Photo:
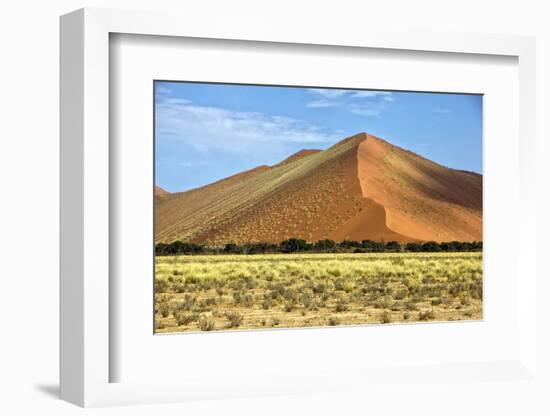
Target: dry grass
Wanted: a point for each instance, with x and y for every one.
(206, 293)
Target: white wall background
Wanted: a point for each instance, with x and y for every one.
(29, 56)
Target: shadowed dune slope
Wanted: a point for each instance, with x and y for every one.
(360, 188)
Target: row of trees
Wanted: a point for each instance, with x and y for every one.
(296, 245)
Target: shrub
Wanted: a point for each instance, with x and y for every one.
(180, 247)
(160, 249)
(320, 288)
(456, 288)
(293, 245)
(235, 319)
(290, 295)
(210, 301)
(368, 245)
(335, 273)
(289, 306)
(161, 286)
(378, 247)
(306, 299)
(413, 247)
(385, 317)
(393, 246)
(342, 305)
(181, 287)
(466, 300)
(387, 302)
(431, 246)
(426, 315)
(237, 297)
(187, 303)
(333, 321)
(447, 301)
(324, 245)
(476, 290)
(164, 309)
(267, 303)
(248, 300)
(349, 244)
(184, 318)
(206, 324)
(232, 248)
(400, 294)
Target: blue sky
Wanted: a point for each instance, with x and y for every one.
(206, 132)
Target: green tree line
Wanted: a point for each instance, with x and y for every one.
(297, 245)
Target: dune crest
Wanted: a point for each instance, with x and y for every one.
(361, 188)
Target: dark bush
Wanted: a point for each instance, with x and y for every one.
(324, 245)
(349, 244)
(378, 247)
(232, 248)
(293, 245)
(413, 247)
(431, 246)
(393, 246)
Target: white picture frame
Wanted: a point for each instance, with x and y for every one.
(86, 356)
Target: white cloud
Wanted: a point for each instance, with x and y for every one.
(371, 94)
(208, 128)
(328, 92)
(365, 103)
(161, 89)
(369, 109)
(176, 101)
(322, 104)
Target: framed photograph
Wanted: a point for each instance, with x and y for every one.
(274, 212)
(253, 230)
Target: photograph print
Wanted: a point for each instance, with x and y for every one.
(295, 207)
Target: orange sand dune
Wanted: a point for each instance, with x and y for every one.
(360, 188)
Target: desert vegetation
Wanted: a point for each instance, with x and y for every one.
(297, 245)
(231, 291)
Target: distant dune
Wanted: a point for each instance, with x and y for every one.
(159, 192)
(361, 188)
